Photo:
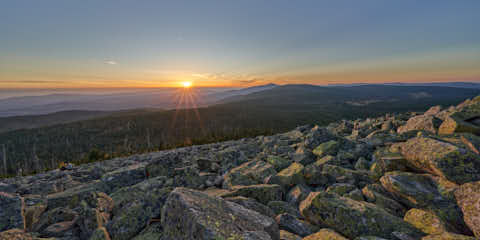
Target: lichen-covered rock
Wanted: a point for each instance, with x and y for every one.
(464, 120)
(72, 197)
(369, 238)
(19, 234)
(314, 175)
(442, 159)
(285, 235)
(151, 232)
(423, 191)
(252, 204)
(100, 234)
(386, 161)
(249, 173)
(264, 193)
(325, 234)
(341, 188)
(327, 148)
(10, 211)
(352, 218)
(292, 224)
(468, 198)
(362, 164)
(190, 214)
(281, 207)
(426, 221)
(448, 236)
(343, 175)
(297, 194)
(303, 156)
(289, 176)
(125, 176)
(376, 194)
(278, 163)
(135, 206)
(427, 123)
(34, 207)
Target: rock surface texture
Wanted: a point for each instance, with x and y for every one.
(396, 177)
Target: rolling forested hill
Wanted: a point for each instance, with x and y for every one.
(261, 113)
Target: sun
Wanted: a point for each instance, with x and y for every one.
(186, 84)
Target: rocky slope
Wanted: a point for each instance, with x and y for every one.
(411, 176)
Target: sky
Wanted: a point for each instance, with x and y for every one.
(127, 43)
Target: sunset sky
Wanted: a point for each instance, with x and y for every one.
(127, 43)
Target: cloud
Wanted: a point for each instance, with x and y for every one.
(248, 81)
(110, 62)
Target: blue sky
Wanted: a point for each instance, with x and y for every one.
(230, 43)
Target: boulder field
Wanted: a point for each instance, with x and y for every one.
(399, 176)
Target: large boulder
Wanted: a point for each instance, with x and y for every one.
(252, 204)
(375, 193)
(468, 198)
(19, 234)
(464, 120)
(327, 148)
(190, 214)
(294, 225)
(325, 234)
(263, 193)
(427, 123)
(278, 163)
(426, 221)
(442, 159)
(10, 211)
(426, 192)
(289, 176)
(448, 236)
(125, 176)
(249, 173)
(135, 206)
(352, 218)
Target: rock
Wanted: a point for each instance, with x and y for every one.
(58, 222)
(356, 194)
(386, 161)
(325, 234)
(316, 136)
(264, 193)
(151, 232)
(297, 194)
(34, 207)
(352, 218)
(190, 214)
(468, 198)
(427, 123)
(448, 236)
(341, 188)
(375, 193)
(285, 235)
(289, 176)
(204, 164)
(426, 221)
(303, 156)
(442, 159)
(100, 234)
(344, 175)
(362, 164)
(432, 111)
(19, 234)
(314, 175)
(423, 191)
(125, 176)
(10, 211)
(369, 238)
(281, 207)
(292, 224)
(135, 206)
(252, 204)
(464, 120)
(327, 148)
(249, 173)
(72, 197)
(278, 163)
